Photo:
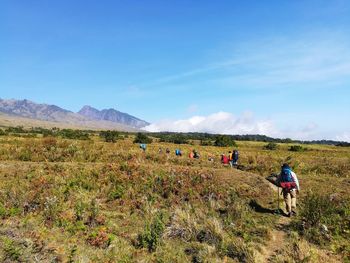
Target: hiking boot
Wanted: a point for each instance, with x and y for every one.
(289, 214)
(294, 213)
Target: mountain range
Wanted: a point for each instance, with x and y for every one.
(88, 117)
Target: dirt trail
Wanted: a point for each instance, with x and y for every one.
(277, 240)
(278, 237)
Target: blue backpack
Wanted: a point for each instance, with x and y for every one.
(143, 146)
(235, 155)
(286, 175)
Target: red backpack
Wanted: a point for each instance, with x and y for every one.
(287, 181)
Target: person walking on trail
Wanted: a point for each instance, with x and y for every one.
(224, 159)
(143, 147)
(195, 154)
(235, 156)
(288, 180)
(178, 152)
(230, 158)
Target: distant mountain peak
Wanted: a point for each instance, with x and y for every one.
(112, 115)
(87, 115)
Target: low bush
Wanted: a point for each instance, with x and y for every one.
(142, 138)
(322, 218)
(205, 142)
(73, 134)
(116, 193)
(271, 146)
(151, 236)
(110, 136)
(100, 238)
(174, 138)
(2, 132)
(297, 148)
(224, 141)
(11, 250)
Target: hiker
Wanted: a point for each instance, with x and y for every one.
(230, 158)
(143, 147)
(167, 150)
(160, 150)
(210, 158)
(195, 154)
(235, 156)
(224, 159)
(178, 152)
(191, 155)
(288, 180)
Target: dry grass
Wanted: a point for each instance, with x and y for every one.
(86, 201)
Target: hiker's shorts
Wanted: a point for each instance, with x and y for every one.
(290, 198)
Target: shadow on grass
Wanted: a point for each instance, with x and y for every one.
(260, 209)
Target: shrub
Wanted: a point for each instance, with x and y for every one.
(3, 211)
(322, 217)
(297, 148)
(317, 209)
(271, 146)
(100, 238)
(18, 129)
(116, 193)
(150, 238)
(79, 210)
(206, 142)
(93, 211)
(11, 250)
(224, 141)
(142, 138)
(73, 134)
(176, 138)
(2, 132)
(110, 136)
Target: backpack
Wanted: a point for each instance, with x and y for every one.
(143, 146)
(235, 155)
(230, 157)
(286, 180)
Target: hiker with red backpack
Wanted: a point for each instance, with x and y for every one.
(224, 159)
(288, 180)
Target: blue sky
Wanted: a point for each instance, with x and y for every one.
(276, 67)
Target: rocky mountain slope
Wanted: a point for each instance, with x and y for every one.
(113, 116)
(31, 112)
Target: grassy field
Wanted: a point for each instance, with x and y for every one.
(67, 200)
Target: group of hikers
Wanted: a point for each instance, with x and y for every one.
(231, 158)
(286, 179)
(192, 155)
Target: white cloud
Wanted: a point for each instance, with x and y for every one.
(227, 123)
(345, 137)
(220, 123)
